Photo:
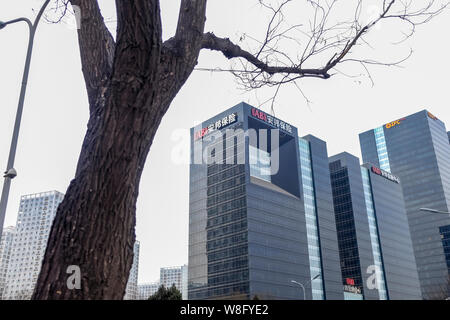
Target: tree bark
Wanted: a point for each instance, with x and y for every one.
(129, 93)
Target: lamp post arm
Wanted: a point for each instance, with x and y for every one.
(15, 136)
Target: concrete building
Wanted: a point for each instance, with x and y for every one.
(5, 255)
(260, 213)
(416, 149)
(168, 276)
(373, 232)
(174, 276)
(146, 290)
(34, 220)
(131, 292)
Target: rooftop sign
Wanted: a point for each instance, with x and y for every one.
(219, 124)
(385, 174)
(272, 121)
(394, 123)
(432, 116)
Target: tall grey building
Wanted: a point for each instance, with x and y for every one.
(260, 213)
(169, 276)
(373, 232)
(34, 220)
(416, 149)
(145, 290)
(131, 292)
(5, 255)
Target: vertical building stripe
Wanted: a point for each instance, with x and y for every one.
(382, 152)
(373, 230)
(315, 261)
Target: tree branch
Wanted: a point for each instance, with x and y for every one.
(96, 49)
(231, 50)
(327, 42)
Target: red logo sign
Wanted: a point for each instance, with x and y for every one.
(259, 114)
(350, 281)
(376, 170)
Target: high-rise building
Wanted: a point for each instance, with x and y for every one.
(146, 290)
(260, 213)
(5, 255)
(34, 220)
(169, 276)
(184, 282)
(131, 292)
(416, 149)
(377, 259)
(448, 133)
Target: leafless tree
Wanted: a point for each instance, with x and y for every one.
(131, 80)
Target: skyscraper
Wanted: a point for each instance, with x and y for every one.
(169, 276)
(34, 220)
(131, 292)
(373, 232)
(416, 149)
(260, 213)
(5, 255)
(145, 290)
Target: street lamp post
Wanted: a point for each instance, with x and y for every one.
(303, 286)
(10, 172)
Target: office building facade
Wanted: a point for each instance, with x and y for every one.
(177, 276)
(416, 149)
(34, 220)
(131, 291)
(5, 255)
(377, 259)
(146, 290)
(260, 213)
(168, 276)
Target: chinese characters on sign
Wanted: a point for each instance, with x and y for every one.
(219, 124)
(385, 174)
(271, 120)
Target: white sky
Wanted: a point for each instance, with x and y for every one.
(56, 110)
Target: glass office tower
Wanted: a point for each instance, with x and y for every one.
(377, 259)
(260, 213)
(417, 150)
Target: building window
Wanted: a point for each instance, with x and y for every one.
(259, 163)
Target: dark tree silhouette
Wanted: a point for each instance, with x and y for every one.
(131, 80)
(164, 293)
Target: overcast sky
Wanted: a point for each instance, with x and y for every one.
(56, 110)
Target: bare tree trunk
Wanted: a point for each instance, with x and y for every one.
(128, 95)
